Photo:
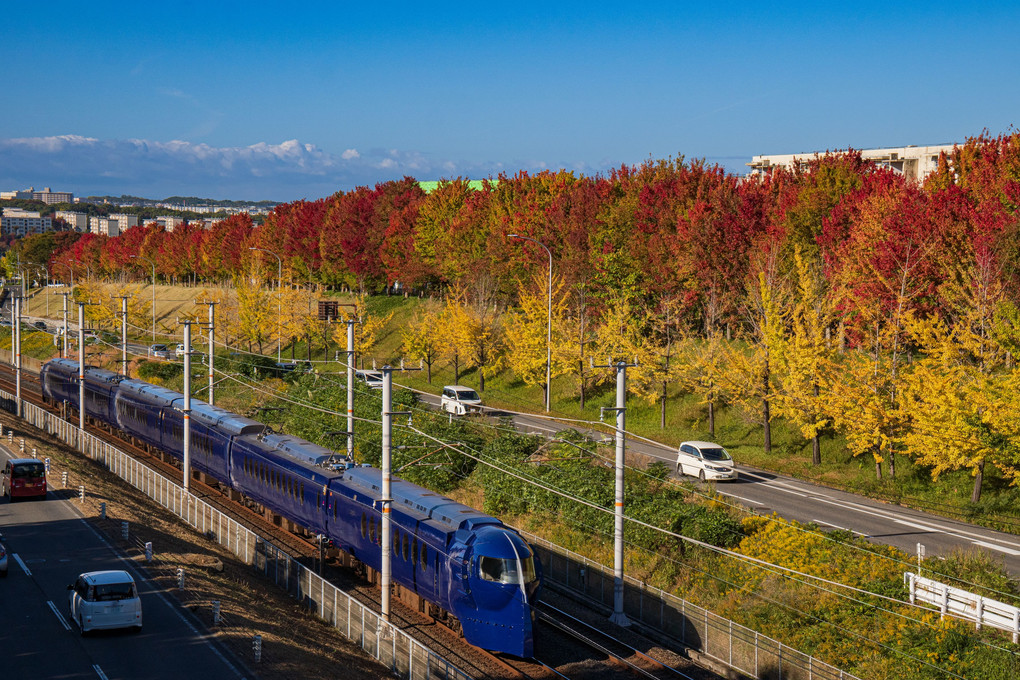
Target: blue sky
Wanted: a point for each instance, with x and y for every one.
(282, 101)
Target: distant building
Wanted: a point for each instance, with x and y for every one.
(913, 162)
(76, 220)
(170, 223)
(20, 223)
(104, 226)
(47, 196)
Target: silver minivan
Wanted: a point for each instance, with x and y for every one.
(103, 600)
(705, 461)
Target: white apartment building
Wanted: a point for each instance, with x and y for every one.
(76, 220)
(113, 225)
(170, 223)
(47, 196)
(913, 162)
(20, 223)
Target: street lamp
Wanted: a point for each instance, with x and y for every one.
(279, 297)
(142, 257)
(548, 337)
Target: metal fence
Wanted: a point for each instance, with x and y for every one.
(404, 656)
(680, 621)
(963, 604)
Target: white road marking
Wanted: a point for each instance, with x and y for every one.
(746, 500)
(836, 526)
(790, 491)
(99, 672)
(60, 617)
(24, 567)
(922, 527)
(1008, 551)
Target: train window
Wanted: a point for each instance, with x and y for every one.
(374, 531)
(318, 501)
(334, 510)
(424, 557)
(414, 551)
(302, 493)
(396, 542)
(405, 547)
(364, 525)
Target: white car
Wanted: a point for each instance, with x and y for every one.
(460, 400)
(705, 461)
(373, 379)
(103, 600)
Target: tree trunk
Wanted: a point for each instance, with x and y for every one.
(979, 476)
(878, 468)
(456, 369)
(892, 465)
(430, 372)
(308, 338)
(816, 441)
(711, 418)
(766, 415)
(662, 408)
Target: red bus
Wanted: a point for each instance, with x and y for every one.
(23, 478)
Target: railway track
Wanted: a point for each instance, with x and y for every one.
(566, 646)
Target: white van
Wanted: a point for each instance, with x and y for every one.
(705, 461)
(102, 600)
(460, 400)
(373, 379)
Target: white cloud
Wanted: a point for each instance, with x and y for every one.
(155, 169)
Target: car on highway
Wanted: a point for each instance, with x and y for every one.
(159, 351)
(180, 351)
(23, 478)
(105, 600)
(460, 400)
(3, 559)
(40, 325)
(373, 379)
(705, 461)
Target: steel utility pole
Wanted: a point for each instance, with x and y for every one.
(65, 294)
(123, 334)
(212, 344)
(618, 616)
(81, 367)
(350, 387)
(17, 353)
(187, 406)
(387, 500)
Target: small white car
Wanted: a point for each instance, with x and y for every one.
(705, 461)
(373, 379)
(104, 600)
(460, 400)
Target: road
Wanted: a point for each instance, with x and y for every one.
(766, 492)
(48, 545)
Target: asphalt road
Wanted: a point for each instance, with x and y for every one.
(48, 545)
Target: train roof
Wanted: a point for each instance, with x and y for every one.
(202, 412)
(254, 445)
(93, 374)
(302, 449)
(438, 508)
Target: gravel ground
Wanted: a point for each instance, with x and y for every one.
(295, 644)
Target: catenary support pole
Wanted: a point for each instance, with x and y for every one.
(123, 334)
(81, 366)
(187, 406)
(350, 388)
(386, 500)
(17, 353)
(212, 345)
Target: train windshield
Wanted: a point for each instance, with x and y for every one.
(505, 571)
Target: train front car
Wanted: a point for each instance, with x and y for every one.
(500, 581)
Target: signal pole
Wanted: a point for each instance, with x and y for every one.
(212, 344)
(619, 617)
(65, 294)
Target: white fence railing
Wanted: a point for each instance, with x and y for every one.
(983, 611)
(390, 646)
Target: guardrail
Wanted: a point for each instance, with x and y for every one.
(729, 643)
(390, 646)
(964, 604)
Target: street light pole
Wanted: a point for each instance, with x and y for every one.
(142, 257)
(279, 297)
(548, 336)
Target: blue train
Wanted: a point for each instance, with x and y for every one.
(462, 561)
